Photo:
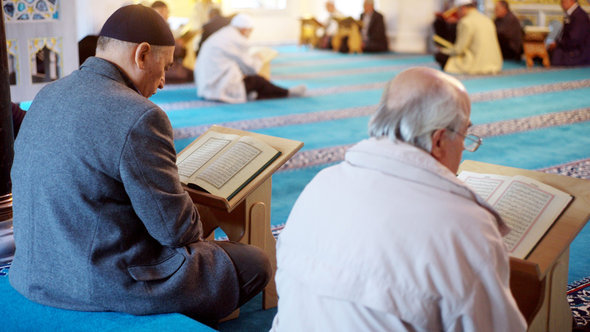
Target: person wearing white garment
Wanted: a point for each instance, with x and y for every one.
(389, 239)
(476, 49)
(225, 70)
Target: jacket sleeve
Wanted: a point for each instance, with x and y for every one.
(150, 177)
(487, 303)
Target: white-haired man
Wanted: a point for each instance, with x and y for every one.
(389, 239)
(227, 72)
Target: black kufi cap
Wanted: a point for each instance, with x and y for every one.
(138, 24)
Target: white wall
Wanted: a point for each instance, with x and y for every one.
(91, 15)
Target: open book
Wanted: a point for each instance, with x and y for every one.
(222, 164)
(442, 42)
(265, 54)
(529, 207)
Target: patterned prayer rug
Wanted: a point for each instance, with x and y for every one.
(578, 296)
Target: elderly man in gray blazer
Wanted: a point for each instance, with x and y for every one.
(101, 220)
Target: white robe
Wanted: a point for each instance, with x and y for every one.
(222, 63)
(390, 240)
(476, 50)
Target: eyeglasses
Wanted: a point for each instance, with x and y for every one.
(470, 142)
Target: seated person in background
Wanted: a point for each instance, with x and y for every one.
(104, 224)
(476, 50)
(162, 8)
(216, 22)
(18, 115)
(509, 31)
(445, 23)
(373, 29)
(330, 25)
(225, 70)
(86, 48)
(572, 46)
(177, 73)
(411, 248)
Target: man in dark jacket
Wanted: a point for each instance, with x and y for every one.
(216, 22)
(373, 29)
(101, 220)
(572, 46)
(509, 31)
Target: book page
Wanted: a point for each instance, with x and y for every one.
(229, 164)
(234, 167)
(266, 54)
(485, 185)
(442, 42)
(198, 154)
(527, 206)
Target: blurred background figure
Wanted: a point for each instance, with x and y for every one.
(178, 73)
(227, 71)
(216, 22)
(572, 46)
(373, 29)
(509, 31)
(476, 49)
(330, 25)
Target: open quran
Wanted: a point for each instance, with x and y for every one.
(222, 164)
(529, 207)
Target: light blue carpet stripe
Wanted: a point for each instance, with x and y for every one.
(475, 85)
(520, 107)
(270, 108)
(350, 130)
(323, 134)
(174, 95)
(537, 148)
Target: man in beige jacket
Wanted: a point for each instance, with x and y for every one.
(476, 50)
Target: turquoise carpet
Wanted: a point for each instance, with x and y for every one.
(532, 118)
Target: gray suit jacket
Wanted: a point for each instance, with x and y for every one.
(101, 221)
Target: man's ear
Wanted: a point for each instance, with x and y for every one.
(438, 144)
(141, 52)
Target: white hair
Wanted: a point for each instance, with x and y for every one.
(411, 115)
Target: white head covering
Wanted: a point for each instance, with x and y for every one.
(242, 21)
(459, 3)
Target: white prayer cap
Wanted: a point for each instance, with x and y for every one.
(242, 21)
(459, 3)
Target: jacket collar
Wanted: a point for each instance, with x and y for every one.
(571, 10)
(108, 69)
(410, 163)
